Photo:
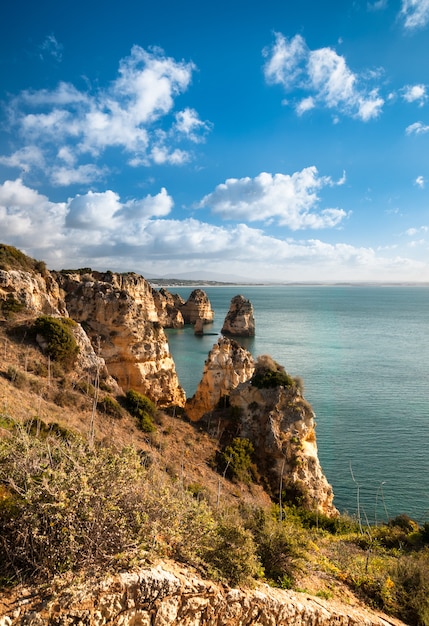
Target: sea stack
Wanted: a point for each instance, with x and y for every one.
(239, 321)
(197, 306)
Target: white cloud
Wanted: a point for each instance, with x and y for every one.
(25, 159)
(28, 219)
(420, 182)
(418, 128)
(415, 13)
(51, 48)
(99, 230)
(285, 58)
(324, 74)
(188, 123)
(134, 114)
(105, 212)
(82, 175)
(415, 93)
(411, 232)
(305, 105)
(93, 211)
(291, 200)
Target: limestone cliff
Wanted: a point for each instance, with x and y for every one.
(281, 425)
(168, 307)
(273, 415)
(227, 365)
(167, 595)
(197, 307)
(118, 312)
(240, 320)
(38, 293)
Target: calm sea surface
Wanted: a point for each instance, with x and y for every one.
(363, 353)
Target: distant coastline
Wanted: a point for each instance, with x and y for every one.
(181, 282)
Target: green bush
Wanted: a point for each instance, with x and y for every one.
(232, 553)
(236, 462)
(142, 408)
(11, 306)
(57, 332)
(269, 374)
(109, 406)
(281, 545)
(410, 589)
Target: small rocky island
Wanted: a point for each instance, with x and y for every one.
(240, 320)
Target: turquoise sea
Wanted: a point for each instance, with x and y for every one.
(363, 354)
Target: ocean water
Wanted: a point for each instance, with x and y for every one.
(363, 354)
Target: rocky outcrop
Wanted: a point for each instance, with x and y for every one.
(239, 321)
(168, 307)
(119, 314)
(281, 425)
(197, 307)
(273, 415)
(168, 596)
(227, 365)
(39, 294)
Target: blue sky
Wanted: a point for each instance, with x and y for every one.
(268, 141)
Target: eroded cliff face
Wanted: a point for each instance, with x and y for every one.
(273, 416)
(40, 294)
(119, 314)
(227, 365)
(168, 307)
(240, 320)
(281, 425)
(169, 596)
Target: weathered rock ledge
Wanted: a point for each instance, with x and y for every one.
(169, 595)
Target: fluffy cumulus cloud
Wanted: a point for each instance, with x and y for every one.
(291, 200)
(418, 128)
(415, 93)
(322, 76)
(415, 13)
(104, 232)
(134, 114)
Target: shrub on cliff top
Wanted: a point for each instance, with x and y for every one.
(57, 332)
(269, 374)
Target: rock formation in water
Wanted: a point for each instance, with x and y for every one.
(227, 365)
(272, 413)
(197, 307)
(239, 321)
(167, 595)
(119, 314)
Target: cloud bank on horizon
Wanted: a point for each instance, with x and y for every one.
(120, 174)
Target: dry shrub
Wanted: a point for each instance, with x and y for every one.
(66, 505)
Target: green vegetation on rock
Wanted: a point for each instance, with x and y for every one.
(61, 345)
(13, 259)
(269, 374)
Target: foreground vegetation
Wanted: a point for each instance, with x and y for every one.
(66, 505)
